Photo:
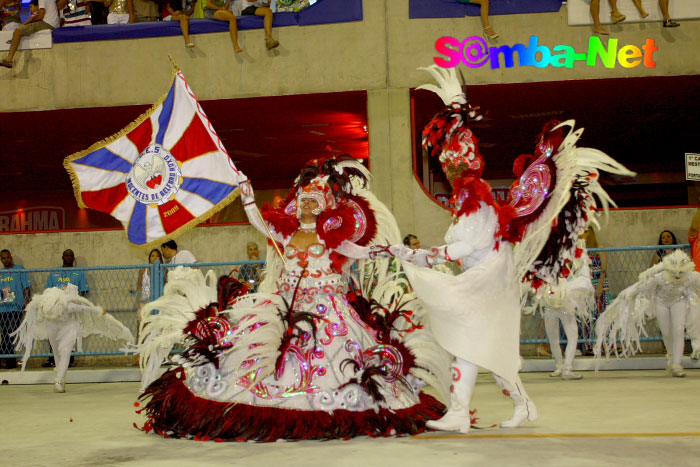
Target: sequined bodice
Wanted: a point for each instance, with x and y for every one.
(311, 269)
(670, 292)
(315, 250)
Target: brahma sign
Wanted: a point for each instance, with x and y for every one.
(34, 219)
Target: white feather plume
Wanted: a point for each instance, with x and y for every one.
(163, 320)
(449, 87)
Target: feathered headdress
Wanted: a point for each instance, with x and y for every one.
(447, 136)
(328, 180)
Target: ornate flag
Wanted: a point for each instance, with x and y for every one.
(165, 172)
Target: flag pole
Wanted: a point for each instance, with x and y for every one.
(269, 234)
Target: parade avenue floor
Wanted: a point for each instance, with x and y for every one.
(609, 418)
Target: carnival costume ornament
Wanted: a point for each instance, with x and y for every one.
(65, 318)
(305, 357)
(165, 172)
(476, 315)
(558, 283)
(667, 291)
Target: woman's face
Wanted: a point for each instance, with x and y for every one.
(666, 238)
(154, 256)
(308, 205)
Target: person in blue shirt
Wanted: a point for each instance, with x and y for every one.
(61, 279)
(15, 293)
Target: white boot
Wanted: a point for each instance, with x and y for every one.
(695, 346)
(568, 374)
(458, 417)
(59, 385)
(557, 372)
(677, 371)
(524, 409)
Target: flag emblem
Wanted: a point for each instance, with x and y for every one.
(165, 172)
(154, 177)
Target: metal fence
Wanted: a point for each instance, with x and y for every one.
(622, 267)
(115, 288)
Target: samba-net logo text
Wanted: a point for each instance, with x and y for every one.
(474, 52)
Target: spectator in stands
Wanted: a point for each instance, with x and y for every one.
(173, 256)
(119, 12)
(99, 11)
(411, 241)
(44, 16)
(261, 8)
(615, 16)
(144, 289)
(142, 11)
(665, 238)
(61, 279)
(15, 293)
(663, 5)
(73, 13)
(484, 6)
(181, 10)
(144, 284)
(251, 274)
(9, 14)
(219, 10)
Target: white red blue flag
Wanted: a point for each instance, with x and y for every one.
(166, 171)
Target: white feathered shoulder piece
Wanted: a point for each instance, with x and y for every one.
(544, 185)
(66, 307)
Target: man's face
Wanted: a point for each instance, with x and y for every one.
(68, 258)
(167, 252)
(6, 259)
(252, 251)
(414, 243)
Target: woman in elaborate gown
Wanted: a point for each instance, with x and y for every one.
(299, 363)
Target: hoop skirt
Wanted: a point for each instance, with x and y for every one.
(297, 364)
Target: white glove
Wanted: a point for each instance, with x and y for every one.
(247, 194)
(402, 252)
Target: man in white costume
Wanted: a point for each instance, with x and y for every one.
(475, 315)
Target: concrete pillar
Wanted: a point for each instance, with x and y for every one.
(389, 117)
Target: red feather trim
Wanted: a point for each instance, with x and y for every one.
(478, 190)
(337, 262)
(336, 225)
(521, 163)
(173, 411)
(506, 215)
(283, 224)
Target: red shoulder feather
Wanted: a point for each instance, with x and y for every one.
(283, 224)
(336, 225)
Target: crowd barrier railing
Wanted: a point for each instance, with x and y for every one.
(115, 289)
(621, 266)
